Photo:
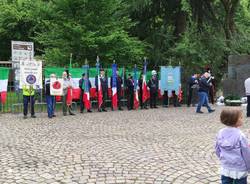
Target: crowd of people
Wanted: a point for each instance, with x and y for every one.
(199, 88)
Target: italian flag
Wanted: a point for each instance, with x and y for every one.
(86, 95)
(145, 94)
(4, 75)
(136, 97)
(77, 74)
(114, 86)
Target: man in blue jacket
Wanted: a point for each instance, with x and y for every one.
(204, 86)
(119, 89)
(82, 86)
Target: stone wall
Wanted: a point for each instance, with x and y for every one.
(238, 72)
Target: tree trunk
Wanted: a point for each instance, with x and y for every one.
(180, 22)
(230, 7)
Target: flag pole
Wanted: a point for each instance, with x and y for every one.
(70, 61)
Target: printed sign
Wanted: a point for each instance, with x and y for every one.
(170, 79)
(56, 87)
(31, 74)
(22, 51)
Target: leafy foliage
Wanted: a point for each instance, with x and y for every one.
(191, 33)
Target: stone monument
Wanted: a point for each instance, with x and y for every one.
(238, 72)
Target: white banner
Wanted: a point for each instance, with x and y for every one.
(22, 51)
(31, 74)
(56, 87)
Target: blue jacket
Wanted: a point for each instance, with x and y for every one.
(204, 85)
(118, 83)
(80, 84)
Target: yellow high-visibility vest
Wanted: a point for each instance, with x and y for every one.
(28, 90)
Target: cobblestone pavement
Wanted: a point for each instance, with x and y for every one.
(161, 146)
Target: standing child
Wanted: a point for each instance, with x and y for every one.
(232, 148)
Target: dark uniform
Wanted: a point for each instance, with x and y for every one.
(143, 105)
(130, 93)
(82, 87)
(153, 85)
(104, 84)
(192, 81)
(28, 96)
(119, 90)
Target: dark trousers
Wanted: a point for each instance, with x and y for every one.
(104, 98)
(65, 106)
(26, 100)
(50, 105)
(190, 94)
(165, 99)
(211, 94)
(130, 100)
(81, 101)
(248, 106)
(176, 101)
(203, 100)
(153, 97)
(227, 180)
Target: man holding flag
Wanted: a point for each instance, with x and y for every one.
(153, 85)
(136, 98)
(85, 85)
(140, 83)
(143, 86)
(67, 93)
(130, 92)
(116, 85)
(101, 83)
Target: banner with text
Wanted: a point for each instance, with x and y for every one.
(31, 74)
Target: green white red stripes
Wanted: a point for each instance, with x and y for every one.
(4, 75)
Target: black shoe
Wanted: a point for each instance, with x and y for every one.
(72, 114)
(89, 110)
(199, 112)
(212, 110)
(50, 117)
(104, 110)
(81, 112)
(25, 117)
(155, 107)
(33, 116)
(120, 109)
(53, 115)
(145, 108)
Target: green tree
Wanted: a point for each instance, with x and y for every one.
(87, 29)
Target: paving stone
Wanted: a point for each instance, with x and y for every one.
(158, 146)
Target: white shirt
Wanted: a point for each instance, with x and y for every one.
(247, 86)
(233, 174)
